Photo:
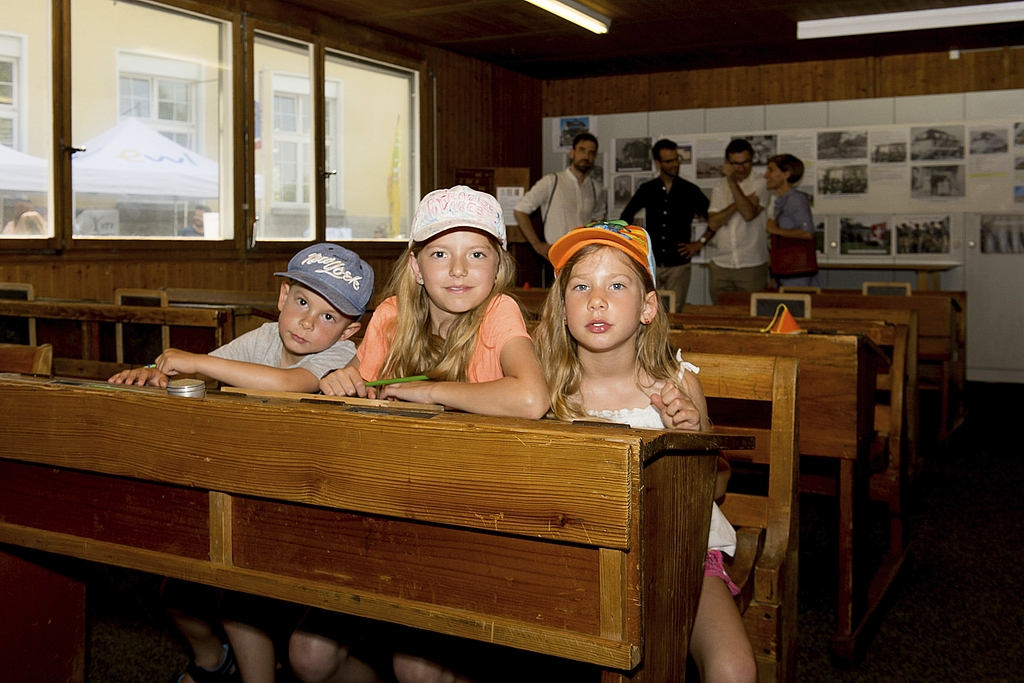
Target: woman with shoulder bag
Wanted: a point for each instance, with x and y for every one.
(793, 247)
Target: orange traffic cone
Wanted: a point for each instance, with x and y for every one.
(783, 322)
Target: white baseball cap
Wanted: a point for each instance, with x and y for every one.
(457, 207)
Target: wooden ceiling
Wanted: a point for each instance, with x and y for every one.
(651, 35)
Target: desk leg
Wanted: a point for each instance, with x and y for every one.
(42, 632)
(678, 490)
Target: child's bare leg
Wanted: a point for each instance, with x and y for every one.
(410, 669)
(319, 659)
(719, 644)
(254, 652)
(207, 648)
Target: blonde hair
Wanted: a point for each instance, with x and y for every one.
(30, 223)
(558, 350)
(414, 349)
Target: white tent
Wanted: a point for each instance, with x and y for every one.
(133, 159)
(22, 172)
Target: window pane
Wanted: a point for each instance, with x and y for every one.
(283, 139)
(159, 167)
(373, 149)
(26, 134)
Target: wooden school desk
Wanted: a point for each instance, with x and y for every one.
(838, 374)
(560, 539)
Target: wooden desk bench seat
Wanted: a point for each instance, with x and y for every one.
(838, 376)
(765, 566)
(554, 538)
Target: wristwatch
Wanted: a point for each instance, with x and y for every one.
(703, 239)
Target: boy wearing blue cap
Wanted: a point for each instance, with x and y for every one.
(327, 291)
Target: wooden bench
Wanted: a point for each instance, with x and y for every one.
(838, 374)
(941, 358)
(765, 566)
(251, 309)
(889, 453)
(80, 348)
(554, 538)
(28, 360)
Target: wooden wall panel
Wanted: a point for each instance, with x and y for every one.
(840, 79)
(97, 280)
(486, 116)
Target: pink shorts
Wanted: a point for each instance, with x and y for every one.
(713, 566)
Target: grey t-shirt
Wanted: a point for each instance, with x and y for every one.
(263, 346)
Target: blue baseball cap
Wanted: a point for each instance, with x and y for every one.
(335, 273)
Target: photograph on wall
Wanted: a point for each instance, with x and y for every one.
(1001, 234)
(632, 154)
(1018, 194)
(937, 182)
(936, 143)
(764, 147)
(864, 235)
(888, 146)
(1018, 164)
(568, 127)
(843, 144)
(922, 234)
(1018, 134)
(989, 140)
(710, 168)
(622, 189)
(685, 155)
(837, 180)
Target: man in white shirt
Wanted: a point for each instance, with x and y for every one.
(566, 200)
(737, 224)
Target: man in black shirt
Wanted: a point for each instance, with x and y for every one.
(671, 204)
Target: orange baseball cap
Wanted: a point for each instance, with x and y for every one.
(631, 239)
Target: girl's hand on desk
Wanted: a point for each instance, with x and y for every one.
(414, 392)
(677, 410)
(346, 382)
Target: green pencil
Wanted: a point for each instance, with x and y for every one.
(396, 380)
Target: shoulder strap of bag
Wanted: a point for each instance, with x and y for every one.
(544, 216)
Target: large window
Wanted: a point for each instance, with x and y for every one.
(25, 121)
(370, 124)
(151, 105)
(284, 144)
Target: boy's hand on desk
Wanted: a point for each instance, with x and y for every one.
(346, 382)
(140, 376)
(178, 362)
(677, 410)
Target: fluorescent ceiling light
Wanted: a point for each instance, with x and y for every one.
(996, 13)
(578, 14)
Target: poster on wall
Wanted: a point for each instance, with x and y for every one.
(922, 234)
(851, 179)
(936, 143)
(568, 127)
(888, 146)
(937, 182)
(622, 190)
(1001, 234)
(843, 144)
(632, 154)
(865, 235)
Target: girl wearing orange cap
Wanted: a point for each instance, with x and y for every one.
(603, 343)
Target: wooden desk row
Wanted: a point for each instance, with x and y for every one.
(553, 538)
(942, 339)
(84, 340)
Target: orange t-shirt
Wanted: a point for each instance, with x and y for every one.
(502, 323)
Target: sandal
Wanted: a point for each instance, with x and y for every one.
(227, 672)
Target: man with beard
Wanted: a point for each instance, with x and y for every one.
(566, 200)
(671, 203)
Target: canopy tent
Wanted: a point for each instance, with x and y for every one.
(20, 172)
(133, 159)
